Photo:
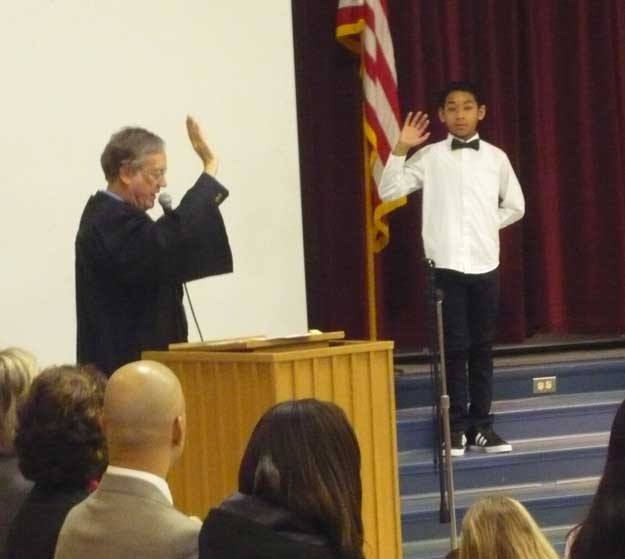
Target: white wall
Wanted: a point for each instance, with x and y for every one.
(73, 72)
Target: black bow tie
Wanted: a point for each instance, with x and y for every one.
(473, 144)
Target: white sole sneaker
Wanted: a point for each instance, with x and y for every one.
(491, 449)
(458, 451)
(489, 442)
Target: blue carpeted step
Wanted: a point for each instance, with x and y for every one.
(551, 504)
(535, 460)
(542, 472)
(414, 390)
(544, 416)
(437, 549)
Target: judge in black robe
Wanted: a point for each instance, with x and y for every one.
(129, 268)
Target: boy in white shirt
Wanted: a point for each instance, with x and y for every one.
(470, 191)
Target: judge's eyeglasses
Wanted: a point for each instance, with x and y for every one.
(155, 174)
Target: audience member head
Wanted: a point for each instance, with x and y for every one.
(601, 533)
(303, 455)
(499, 527)
(18, 367)
(59, 440)
(144, 417)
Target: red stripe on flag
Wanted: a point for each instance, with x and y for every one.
(381, 68)
(386, 78)
(385, 137)
(381, 103)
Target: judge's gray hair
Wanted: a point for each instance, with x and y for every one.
(129, 146)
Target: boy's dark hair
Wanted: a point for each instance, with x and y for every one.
(467, 86)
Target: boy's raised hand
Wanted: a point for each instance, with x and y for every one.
(414, 132)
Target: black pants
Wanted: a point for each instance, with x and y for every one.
(470, 309)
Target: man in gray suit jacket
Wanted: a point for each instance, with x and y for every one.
(131, 514)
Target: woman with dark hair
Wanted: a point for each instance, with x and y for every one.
(60, 447)
(601, 534)
(300, 493)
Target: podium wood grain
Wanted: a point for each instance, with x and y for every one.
(227, 392)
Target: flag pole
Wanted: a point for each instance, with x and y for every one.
(372, 315)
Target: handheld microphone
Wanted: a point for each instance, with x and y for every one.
(164, 200)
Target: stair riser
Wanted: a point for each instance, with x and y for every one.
(511, 383)
(497, 472)
(418, 434)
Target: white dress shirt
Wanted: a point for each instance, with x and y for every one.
(155, 480)
(468, 196)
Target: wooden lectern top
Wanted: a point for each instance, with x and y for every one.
(255, 343)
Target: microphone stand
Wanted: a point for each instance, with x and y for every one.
(197, 325)
(442, 453)
(165, 201)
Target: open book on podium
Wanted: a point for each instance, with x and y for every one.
(229, 384)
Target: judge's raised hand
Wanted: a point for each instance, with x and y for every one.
(201, 147)
(414, 132)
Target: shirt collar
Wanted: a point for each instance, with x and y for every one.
(450, 138)
(113, 195)
(155, 480)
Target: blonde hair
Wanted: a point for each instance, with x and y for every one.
(498, 527)
(18, 367)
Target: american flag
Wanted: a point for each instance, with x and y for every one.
(362, 26)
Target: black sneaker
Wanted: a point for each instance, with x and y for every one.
(458, 442)
(486, 440)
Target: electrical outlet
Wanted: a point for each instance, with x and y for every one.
(544, 385)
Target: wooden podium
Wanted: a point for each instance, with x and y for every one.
(228, 385)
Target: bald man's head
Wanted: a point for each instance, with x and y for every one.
(144, 409)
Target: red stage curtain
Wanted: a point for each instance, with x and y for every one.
(553, 74)
(331, 169)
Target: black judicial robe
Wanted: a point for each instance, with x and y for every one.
(130, 270)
